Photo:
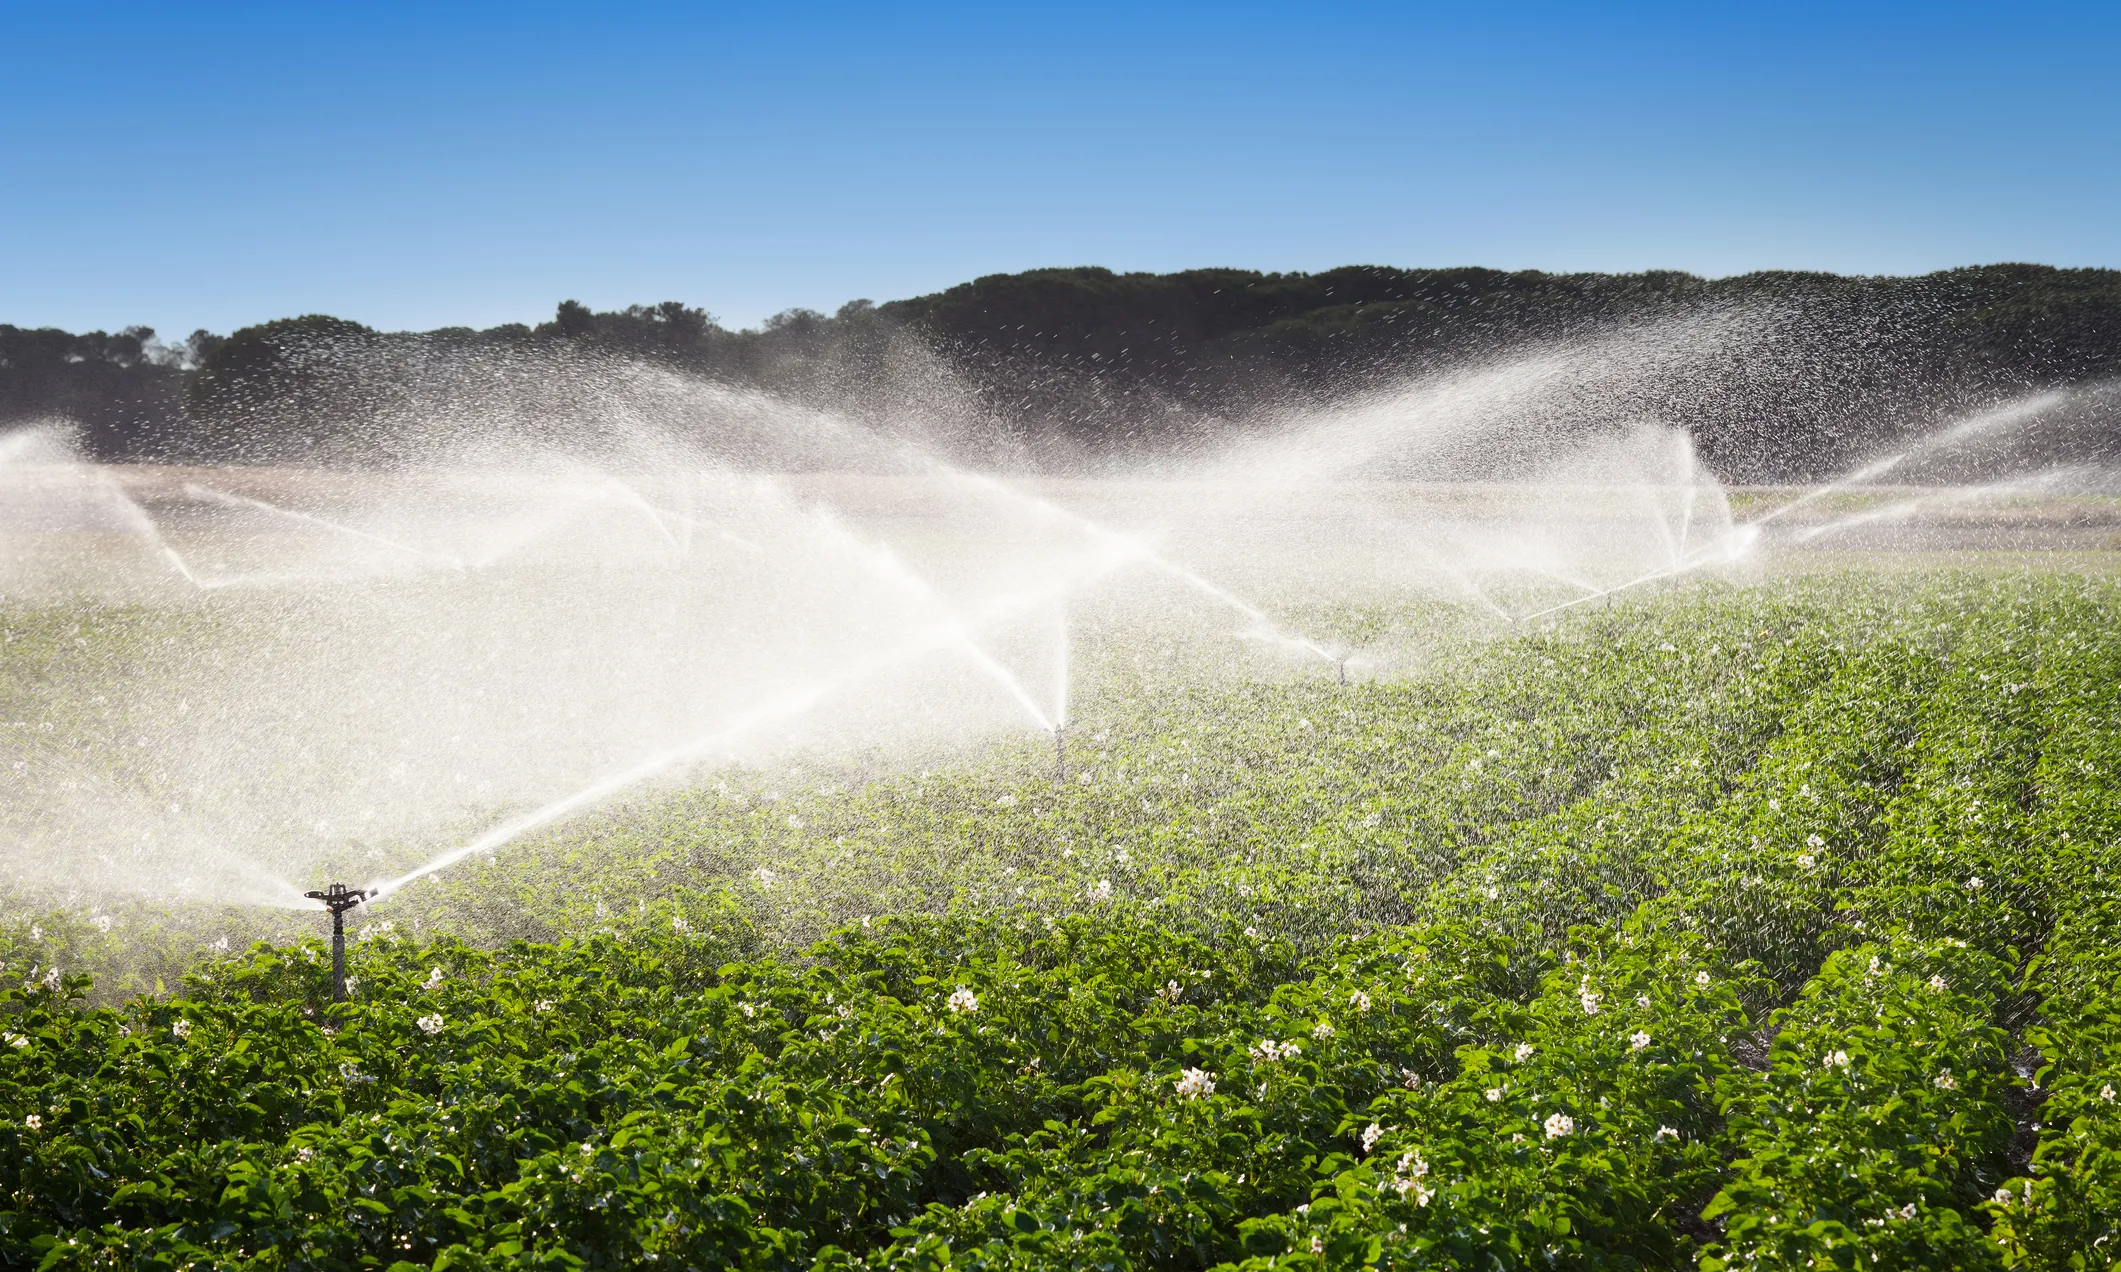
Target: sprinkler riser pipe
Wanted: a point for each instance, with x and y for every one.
(338, 899)
(338, 956)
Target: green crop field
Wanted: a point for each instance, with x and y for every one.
(1736, 927)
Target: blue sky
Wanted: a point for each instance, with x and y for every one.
(413, 166)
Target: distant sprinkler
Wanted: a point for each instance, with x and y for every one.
(1342, 663)
(1060, 754)
(338, 899)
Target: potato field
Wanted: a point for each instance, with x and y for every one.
(1763, 926)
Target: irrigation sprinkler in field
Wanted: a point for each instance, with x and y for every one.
(1342, 663)
(1060, 754)
(338, 899)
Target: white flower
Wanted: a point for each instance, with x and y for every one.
(181, 1028)
(103, 923)
(352, 983)
(1359, 1001)
(1701, 979)
(1370, 1135)
(963, 1001)
(1322, 1031)
(794, 822)
(1171, 992)
(435, 976)
(305, 1153)
(1665, 1133)
(765, 877)
(1638, 1040)
(1589, 1001)
(1409, 1079)
(431, 1024)
(51, 978)
(1523, 1052)
(14, 1040)
(1937, 984)
(1945, 1081)
(2106, 1093)
(1806, 861)
(33, 1121)
(1268, 1051)
(1318, 1245)
(1815, 841)
(2003, 1196)
(542, 1005)
(749, 1010)
(1560, 1124)
(1195, 1083)
(1494, 1094)
(1101, 891)
(1006, 801)
(1835, 1060)
(1974, 883)
(1251, 932)
(1642, 1000)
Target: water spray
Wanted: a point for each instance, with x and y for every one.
(208, 493)
(338, 898)
(1262, 627)
(2008, 414)
(1060, 701)
(884, 564)
(1735, 545)
(1945, 497)
(952, 633)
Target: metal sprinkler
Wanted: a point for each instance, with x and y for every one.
(1060, 754)
(338, 899)
(1343, 664)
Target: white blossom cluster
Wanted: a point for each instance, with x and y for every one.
(1408, 1175)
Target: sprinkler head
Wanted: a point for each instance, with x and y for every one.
(339, 898)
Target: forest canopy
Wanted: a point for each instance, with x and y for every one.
(1084, 362)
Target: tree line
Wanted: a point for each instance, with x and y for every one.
(1076, 364)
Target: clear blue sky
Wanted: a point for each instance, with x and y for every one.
(412, 166)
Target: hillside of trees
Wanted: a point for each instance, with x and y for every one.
(1068, 365)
